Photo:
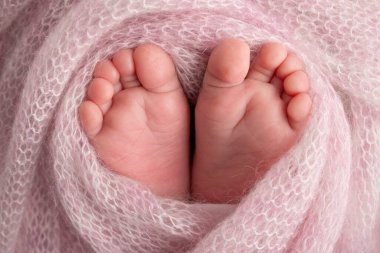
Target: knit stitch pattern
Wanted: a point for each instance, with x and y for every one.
(56, 195)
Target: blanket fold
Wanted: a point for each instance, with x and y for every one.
(56, 196)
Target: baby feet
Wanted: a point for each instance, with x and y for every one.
(246, 118)
(137, 118)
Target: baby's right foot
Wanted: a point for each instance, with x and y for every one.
(246, 117)
(137, 118)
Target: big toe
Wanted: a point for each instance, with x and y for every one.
(155, 69)
(220, 100)
(228, 64)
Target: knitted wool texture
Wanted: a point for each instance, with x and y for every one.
(55, 195)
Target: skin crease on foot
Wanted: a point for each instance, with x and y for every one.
(247, 116)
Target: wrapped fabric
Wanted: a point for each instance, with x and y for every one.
(55, 194)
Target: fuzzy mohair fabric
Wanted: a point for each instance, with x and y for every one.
(56, 196)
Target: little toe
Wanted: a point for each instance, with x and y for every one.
(270, 57)
(91, 118)
(296, 83)
(228, 64)
(298, 111)
(123, 62)
(155, 69)
(100, 91)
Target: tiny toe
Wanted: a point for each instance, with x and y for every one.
(291, 64)
(105, 69)
(228, 64)
(100, 91)
(270, 57)
(298, 110)
(155, 69)
(296, 83)
(91, 118)
(123, 61)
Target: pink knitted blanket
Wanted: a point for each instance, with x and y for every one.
(55, 195)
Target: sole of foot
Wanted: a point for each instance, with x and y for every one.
(247, 116)
(136, 116)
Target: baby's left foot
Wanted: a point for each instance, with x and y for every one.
(137, 118)
(246, 117)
